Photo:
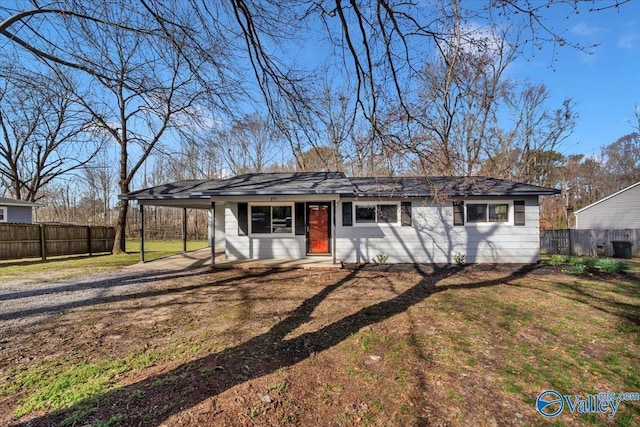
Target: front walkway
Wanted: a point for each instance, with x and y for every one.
(202, 258)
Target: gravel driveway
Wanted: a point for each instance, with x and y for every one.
(33, 299)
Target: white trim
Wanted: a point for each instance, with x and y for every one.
(271, 204)
(375, 204)
(606, 198)
(5, 212)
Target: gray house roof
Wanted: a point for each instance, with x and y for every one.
(444, 186)
(280, 184)
(337, 183)
(6, 201)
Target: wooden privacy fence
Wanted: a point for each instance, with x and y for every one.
(587, 242)
(43, 240)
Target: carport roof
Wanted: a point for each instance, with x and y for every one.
(336, 183)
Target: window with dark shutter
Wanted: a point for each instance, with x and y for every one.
(300, 224)
(518, 212)
(243, 219)
(347, 214)
(405, 214)
(458, 213)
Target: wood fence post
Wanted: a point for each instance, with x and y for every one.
(43, 242)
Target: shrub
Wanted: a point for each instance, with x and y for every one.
(380, 259)
(575, 261)
(607, 265)
(556, 260)
(459, 258)
(577, 269)
(590, 262)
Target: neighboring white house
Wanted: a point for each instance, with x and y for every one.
(17, 211)
(328, 215)
(617, 211)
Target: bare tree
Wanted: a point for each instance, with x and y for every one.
(526, 146)
(140, 85)
(153, 58)
(43, 133)
(251, 144)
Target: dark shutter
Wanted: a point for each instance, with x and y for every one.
(347, 214)
(300, 223)
(405, 214)
(243, 219)
(518, 212)
(458, 213)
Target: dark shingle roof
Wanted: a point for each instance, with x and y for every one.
(172, 190)
(280, 183)
(337, 183)
(444, 186)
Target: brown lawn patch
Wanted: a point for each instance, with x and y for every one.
(407, 346)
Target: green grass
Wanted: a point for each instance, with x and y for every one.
(74, 266)
(66, 382)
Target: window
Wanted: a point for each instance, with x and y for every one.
(499, 213)
(487, 212)
(386, 213)
(266, 219)
(3, 214)
(476, 213)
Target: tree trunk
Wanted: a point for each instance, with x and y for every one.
(119, 244)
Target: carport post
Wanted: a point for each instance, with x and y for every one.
(141, 233)
(184, 230)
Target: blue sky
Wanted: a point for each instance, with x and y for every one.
(605, 84)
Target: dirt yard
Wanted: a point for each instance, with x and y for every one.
(402, 346)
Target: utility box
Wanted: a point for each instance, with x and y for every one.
(621, 249)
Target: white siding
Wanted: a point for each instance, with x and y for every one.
(432, 238)
(265, 247)
(219, 224)
(618, 211)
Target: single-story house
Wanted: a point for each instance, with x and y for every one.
(327, 214)
(17, 211)
(617, 211)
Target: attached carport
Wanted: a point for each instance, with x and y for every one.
(181, 195)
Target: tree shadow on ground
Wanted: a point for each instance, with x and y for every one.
(184, 387)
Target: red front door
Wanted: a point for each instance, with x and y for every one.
(319, 227)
